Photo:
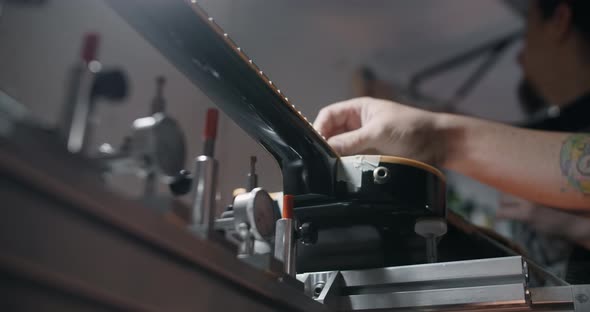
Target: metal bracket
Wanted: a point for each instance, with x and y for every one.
(581, 295)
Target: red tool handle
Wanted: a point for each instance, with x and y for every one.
(210, 132)
(90, 47)
(288, 206)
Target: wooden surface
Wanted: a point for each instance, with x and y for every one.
(67, 244)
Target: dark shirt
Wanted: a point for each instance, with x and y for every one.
(574, 117)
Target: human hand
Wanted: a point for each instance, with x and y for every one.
(371, 126)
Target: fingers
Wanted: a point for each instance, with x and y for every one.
(339, 118)
(352, 142)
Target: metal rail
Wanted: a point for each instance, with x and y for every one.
(498, 284)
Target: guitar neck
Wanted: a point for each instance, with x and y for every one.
(199, 48)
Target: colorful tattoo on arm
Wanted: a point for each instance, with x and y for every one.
(575, 161)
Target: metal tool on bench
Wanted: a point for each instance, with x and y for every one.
(255, 222)
(158, 141)
(155, 149)
(203, 182)
(250, 223)
(88, 82)
(286, 237)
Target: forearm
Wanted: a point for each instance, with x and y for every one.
(530, 164)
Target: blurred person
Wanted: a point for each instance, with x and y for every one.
(550, 168)
(555, 92)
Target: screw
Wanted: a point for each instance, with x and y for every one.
(317, 288)
(381, 175)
